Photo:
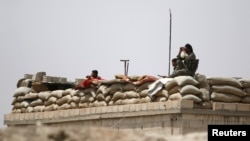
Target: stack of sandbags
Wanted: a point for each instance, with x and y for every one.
(21, 101)
(143, 91)
(184, 88)
(246, 88)
(204, 89)
(225, 89)
(87, 97)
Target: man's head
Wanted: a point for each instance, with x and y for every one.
(174, 62)
(188, 49)
(94, 73)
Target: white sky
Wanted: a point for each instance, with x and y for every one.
(69, 38)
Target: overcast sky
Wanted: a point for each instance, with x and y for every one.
(69, 38)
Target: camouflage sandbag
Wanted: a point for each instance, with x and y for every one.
(222, 97)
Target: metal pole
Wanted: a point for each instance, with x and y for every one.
(170, 30)
(125, 66)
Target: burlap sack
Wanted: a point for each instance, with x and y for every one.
(87, 98)
(63, 100)
(39, 108)
(160, 99)
(37, 102)
(245, 99)
(108, 98)
(73, 105)
(192, 97)
(129, 87)
(190, 89)
(31, 96)
(144, 86)
(20, 98)
(44, 95)
(83, 105)
(118, 95)
(230, 81)
(228, 90)
(245, 82)
(131, 94)
(75, 99)
(185, 80)
(205, 94)
(64, 106)
(50, 101)
(102, 89)
(170, 85)
(51, 107)
(202, 81)
(144, 93)
(176, 96)
(221, 97)
(97, 103)
(100, 97)
(130, 101)
(21, 91)
(146, 99)
(30, 109)
(115, 87)
(174, 90)
(162, 93)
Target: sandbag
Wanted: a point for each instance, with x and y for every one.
(176, 96)
(63, 100)
(129, 87)
(100, 97)
(44, 95)
(245, 82)
(114, 88)
(118, 95)
(174, 90)
(190, 89)
(146, 99)
(205, 94)
(160, 99)
(192, 97)
(143, 93)
(57, 93)
(221, 97)
(224, 81)
(202, 81)
(131, 94)
(87, 98)
(245, 99)
(228, 89)
(37, 102)
(162, 93)
(97, 103)
(50, 101)
(21, 91)
(185, 80)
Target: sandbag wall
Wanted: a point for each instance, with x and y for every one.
(201, 90)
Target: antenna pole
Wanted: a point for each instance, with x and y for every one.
(126, 63)
(170, 30)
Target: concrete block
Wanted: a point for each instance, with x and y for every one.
(120, 108)
(61, 113)
(196, 124)
(45, 115)
(132, 107)
(168, 104)
(242, 107)
(36, 115)
(71, 112)
(84, 111)
(126, 108)
(138, 107)
(40, 115)
(217, 106)
(92, 110)
(156, 105)
(144, 106)
(51, 114)
(175, 104)
(229, 106)
(103, 109)
(77, 112)
(189, 104)
(150, 105)
(7, 117)
(56, 114)
(98, 110)
(115, 108)
(66, 113)
(21, 116)
(16, 116)
(109, 109)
